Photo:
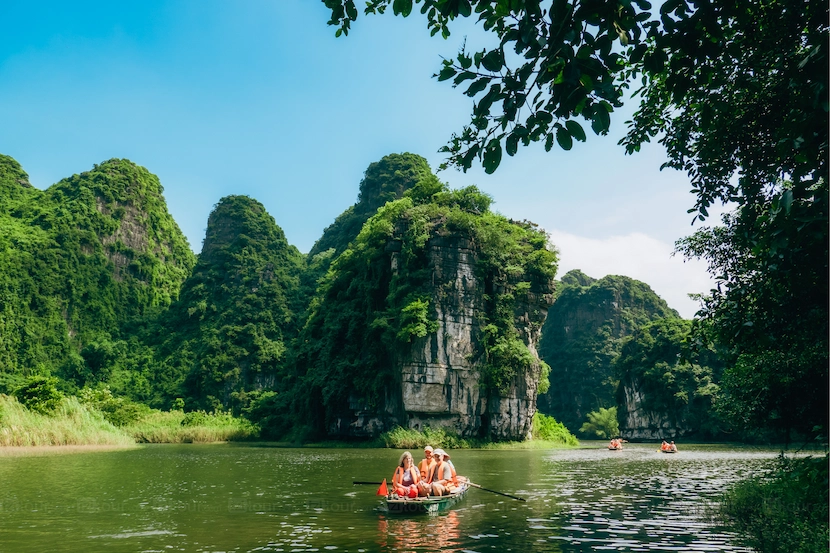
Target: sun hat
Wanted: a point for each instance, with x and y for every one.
(428, 448)
(439, 452)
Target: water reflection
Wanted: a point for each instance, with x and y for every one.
(425, 533)
(639, 502)
(216, 498)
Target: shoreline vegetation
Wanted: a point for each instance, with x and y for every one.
(783, 510)
(97, 421)
(74, 423)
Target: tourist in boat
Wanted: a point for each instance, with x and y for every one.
(672, 447)
(664, 446)
(405, 479)
(616, 443)
(427, 463)
(453, 483)
(440, 479)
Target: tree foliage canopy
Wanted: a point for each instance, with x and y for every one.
(737, 92)
(710, 72)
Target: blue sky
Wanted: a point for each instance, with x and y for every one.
(258, 97)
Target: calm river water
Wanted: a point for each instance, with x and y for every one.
(211, 498)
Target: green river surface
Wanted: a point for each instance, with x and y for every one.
(238, 497)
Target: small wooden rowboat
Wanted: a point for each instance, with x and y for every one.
(424, 505)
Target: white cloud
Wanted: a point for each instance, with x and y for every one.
(640, 257)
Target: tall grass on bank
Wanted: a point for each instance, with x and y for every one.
(71, 423)
(783, 511)
(547, 433)
(549, 429)
(197, 426)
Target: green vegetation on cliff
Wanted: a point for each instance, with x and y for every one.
(81, 262)
(378, 296)
(228, 334)
(384, 181)
(677, 378)
(582, 337)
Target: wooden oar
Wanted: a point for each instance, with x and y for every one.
(494, 491)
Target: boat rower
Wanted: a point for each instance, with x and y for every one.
(427, 463)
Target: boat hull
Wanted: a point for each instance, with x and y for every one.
(424, 505)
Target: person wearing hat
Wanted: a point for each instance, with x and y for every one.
(441, 478)
(425, 467)
(453, 483)
(427, 463)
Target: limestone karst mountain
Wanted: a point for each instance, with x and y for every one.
(582, 337)
(80, 262)
(229, 332)
(429, 317)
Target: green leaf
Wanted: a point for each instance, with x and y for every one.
(465, 61)
(351, 10)
(511, 145)
(447, 72)
(477, 86)
(402, 7)
(564, 139)
(600, 121)
(463, 76)
(493, 60)
(787, 200)
(492, 156)
(575, 129)
(464, 8)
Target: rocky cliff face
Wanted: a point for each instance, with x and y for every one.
(582, 337)
(430, 317)
(441, 374)
(638, 423)
(667, 385)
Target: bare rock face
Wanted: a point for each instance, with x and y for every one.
(440, 380)
(640, 424)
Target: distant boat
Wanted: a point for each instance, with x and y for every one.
(615, 448)
(424, 505)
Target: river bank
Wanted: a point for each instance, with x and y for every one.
(72, 423)
(98, 419)
(40, 450)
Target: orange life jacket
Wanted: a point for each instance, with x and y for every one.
(437, 471)
(424, 466)
(398, 481)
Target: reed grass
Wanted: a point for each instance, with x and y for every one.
(71, 423)
(176, 427)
